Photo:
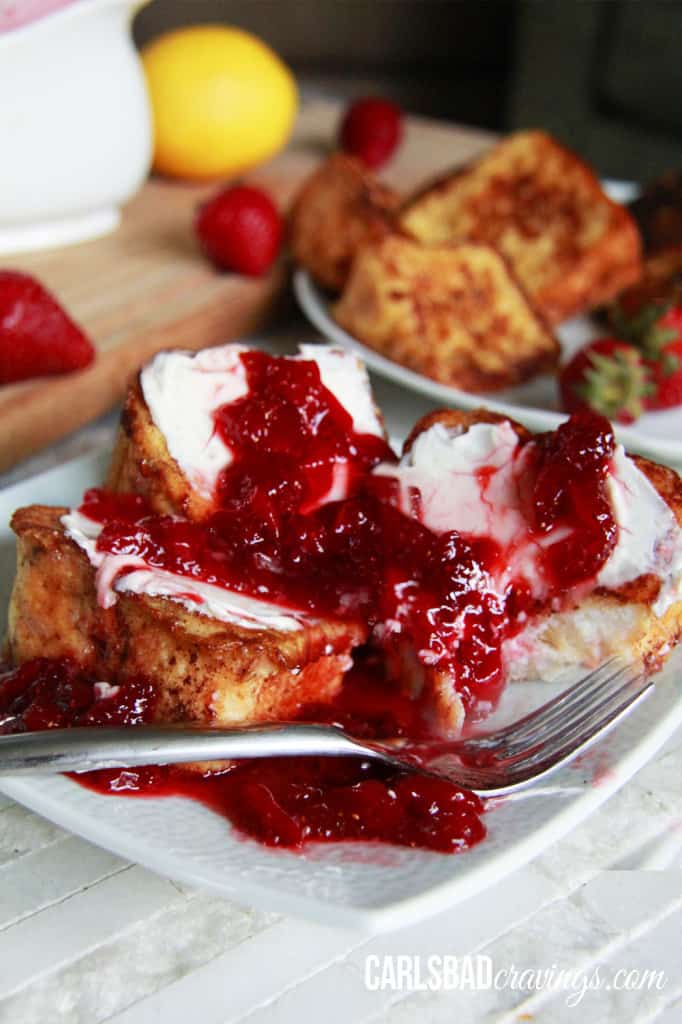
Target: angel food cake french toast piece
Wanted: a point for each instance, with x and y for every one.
(291, 433)
(339, 208)
(454, 313)
(544, 209)
(169, 448)
(230, 661)
(552, 589)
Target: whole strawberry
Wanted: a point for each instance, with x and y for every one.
(655, 329)
(240, 229)
(371, 130)
(37, 337)
(666, 367)
(608, 376)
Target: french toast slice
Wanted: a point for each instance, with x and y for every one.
(570, 245)
(205, 670)
(605, 622)
(340, 207)
(451, 312)
(168, 449)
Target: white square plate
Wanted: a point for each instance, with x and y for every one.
(367, 886)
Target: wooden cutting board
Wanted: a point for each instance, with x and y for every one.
(146, 287)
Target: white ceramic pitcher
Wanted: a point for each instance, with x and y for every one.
(75, 124)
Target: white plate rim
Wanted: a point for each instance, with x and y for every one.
(374, 920)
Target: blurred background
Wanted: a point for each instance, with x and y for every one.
(605, 76)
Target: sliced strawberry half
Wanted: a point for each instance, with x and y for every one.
(37, 337)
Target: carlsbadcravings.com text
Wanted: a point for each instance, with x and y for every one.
(446, 972)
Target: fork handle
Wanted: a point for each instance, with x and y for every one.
(89, 748)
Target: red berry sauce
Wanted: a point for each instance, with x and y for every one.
(274, 537)
(572, 467)
(54, 693)
(289, 437)
(280, 802)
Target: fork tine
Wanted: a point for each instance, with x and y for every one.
(498, 781)
(593, 697)
(482, 782)
(547, 712)
(585, 726)
(572, 696)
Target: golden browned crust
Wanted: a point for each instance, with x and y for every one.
(340, 206)
(454, 313)
(205, 670)
(544, 208)
(458, 418)
(141, 464)
(53, 606)
(658, 637)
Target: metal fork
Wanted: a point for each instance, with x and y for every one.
(491, 764)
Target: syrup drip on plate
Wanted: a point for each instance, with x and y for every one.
(285, 802)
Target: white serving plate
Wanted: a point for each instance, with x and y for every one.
(657, 435)
(369, 886)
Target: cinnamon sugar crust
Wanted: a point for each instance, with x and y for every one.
(141, 464)
(206, 670)
(455, 313)
(545, 210)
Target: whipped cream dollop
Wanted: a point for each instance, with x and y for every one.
(471, 481)
(183, 390)
(125, 574)
(649, 536)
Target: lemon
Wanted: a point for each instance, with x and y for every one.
(222, 101)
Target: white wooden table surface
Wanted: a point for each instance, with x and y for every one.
(86, 937)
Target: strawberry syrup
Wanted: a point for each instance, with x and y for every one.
(281, 801)
(279, 533)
